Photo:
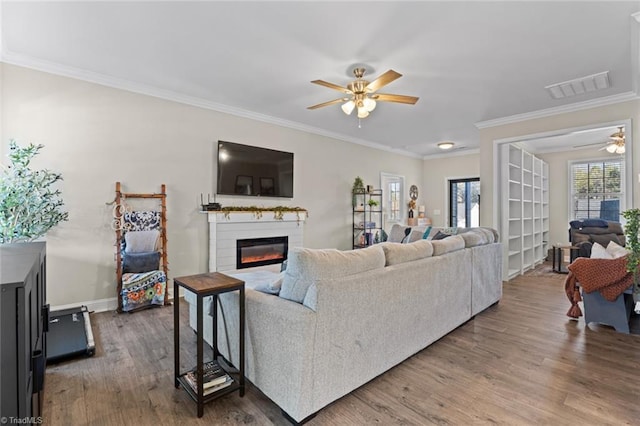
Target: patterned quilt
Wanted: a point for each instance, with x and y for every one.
(140, 290)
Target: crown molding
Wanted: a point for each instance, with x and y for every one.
(578, 106)
(148, 90)
(455, 153)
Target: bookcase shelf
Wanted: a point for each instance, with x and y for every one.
(525, 209)
(367, 218)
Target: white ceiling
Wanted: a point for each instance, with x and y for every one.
(469, 62)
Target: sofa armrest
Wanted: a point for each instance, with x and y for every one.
(279, 340)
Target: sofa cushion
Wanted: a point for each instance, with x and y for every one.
(399, 253)
(452, 243)
(603, 239)
(306, 266)
(473, 238)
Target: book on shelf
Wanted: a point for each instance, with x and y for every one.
(212, 375)
(207, 390)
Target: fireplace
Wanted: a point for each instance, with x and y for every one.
(261, 251)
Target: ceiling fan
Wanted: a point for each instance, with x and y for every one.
(362, 93)
(615, 144)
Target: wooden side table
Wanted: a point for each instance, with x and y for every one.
(204, 285)
(557, 256)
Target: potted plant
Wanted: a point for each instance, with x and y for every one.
(358, 188)
(29, 206)
(631, 229)
(373, 203)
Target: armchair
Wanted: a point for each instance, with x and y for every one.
(583, 233)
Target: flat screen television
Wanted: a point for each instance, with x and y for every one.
(250, 170)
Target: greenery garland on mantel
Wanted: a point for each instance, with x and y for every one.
(278, 211)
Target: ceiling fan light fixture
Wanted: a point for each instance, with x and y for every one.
(369, 104)
(362, 112)
(445, 145)
(348, 107)
(620, 149)
(611, 148)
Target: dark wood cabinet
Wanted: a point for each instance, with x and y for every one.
(23, 326)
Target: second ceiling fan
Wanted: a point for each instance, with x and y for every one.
(362, 93)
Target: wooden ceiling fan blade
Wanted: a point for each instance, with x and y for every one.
(324, 104)
(385, 97)
(332, 86)
(382, 81)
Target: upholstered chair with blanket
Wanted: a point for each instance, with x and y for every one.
(583, 233)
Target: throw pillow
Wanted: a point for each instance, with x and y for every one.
(599, 252)
(272, 286)
(140, 262)
(426, 233)
(616, 250)
(440, 236)
(396, 234)
(407, 232)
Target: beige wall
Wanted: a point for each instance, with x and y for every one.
(605, 114)
(559, 188)
(95, 136)
(436, 174)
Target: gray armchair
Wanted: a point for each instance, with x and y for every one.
(583, 233)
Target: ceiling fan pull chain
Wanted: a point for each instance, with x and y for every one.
(359, 123)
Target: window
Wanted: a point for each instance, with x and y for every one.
(464, 202)
(392, 197)
(597, 189)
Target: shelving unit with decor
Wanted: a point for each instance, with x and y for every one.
(525, 209)
(367, 217)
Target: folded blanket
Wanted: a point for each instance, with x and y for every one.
(608, 276)
(141, 241)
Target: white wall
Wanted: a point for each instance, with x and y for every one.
(559, 193)
(95, 136)
(605, 114)
(436, 174)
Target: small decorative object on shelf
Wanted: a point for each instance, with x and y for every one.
(209, 207)
(358, 186)
(367, 217)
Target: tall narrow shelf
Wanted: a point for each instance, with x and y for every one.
(525, 209)
(367, 217)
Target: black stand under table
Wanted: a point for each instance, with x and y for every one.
(204, 285)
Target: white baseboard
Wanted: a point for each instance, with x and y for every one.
(100, 305)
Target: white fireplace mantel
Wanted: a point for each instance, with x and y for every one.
(225, 228)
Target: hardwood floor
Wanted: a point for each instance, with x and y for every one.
(521, 362)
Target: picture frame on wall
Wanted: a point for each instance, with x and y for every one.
(266, 186)
(244, 184)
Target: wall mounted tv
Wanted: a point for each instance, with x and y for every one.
(250, 170)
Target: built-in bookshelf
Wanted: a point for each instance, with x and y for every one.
(525, 210)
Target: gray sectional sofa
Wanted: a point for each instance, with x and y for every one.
(344, 317)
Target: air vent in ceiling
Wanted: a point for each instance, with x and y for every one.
(579, 86)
